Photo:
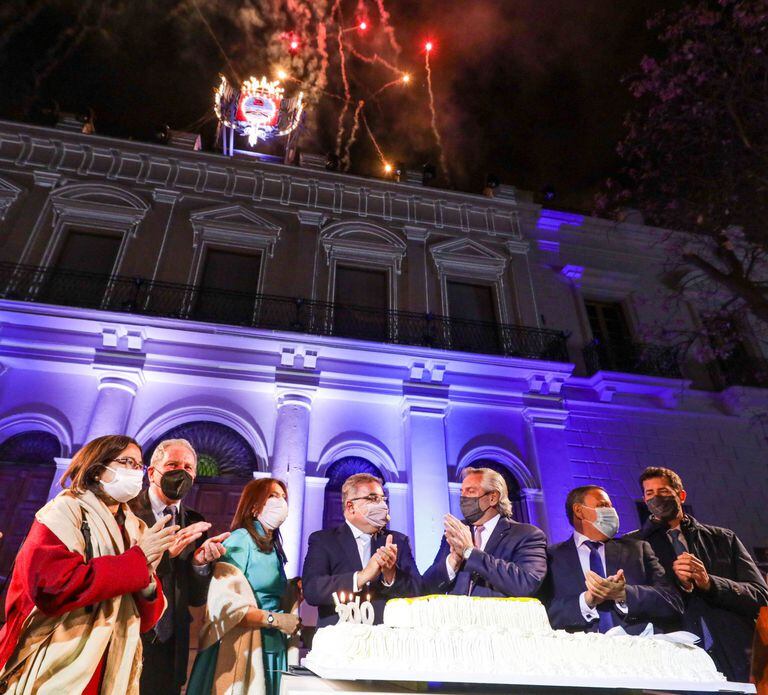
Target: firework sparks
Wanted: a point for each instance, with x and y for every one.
(346, 161)
(373, 140)
(404, 79)
(388, 28)
(428, 47)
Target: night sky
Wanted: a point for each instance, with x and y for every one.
(529, 90)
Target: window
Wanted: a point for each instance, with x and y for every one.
(81, 273)
(612, 339)
(467, 302)
(228, 286)
(361, 287)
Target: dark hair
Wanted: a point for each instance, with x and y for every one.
(576, 496)
(83, 469)
(252, 500)
(674, 480)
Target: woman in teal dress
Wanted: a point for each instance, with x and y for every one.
(254, 549)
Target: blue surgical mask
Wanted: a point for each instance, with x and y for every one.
(607, 521)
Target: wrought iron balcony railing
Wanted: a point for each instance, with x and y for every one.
(140, 296)
(633, 358)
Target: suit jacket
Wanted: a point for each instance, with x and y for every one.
(730, 607)
(514, 563)
(651, 596)
(332, 558)
(182, 585)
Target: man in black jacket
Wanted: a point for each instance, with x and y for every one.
(184, 568)
(722, 587)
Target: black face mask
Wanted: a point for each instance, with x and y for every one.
(664, 507)
(176, 484)
(471, 509)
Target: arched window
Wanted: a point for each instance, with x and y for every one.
(338, 472)
(30, 447)
(221, 452)
(519, 508)
(26, 470)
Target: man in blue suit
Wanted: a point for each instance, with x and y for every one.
(359, 557)
(488, 554)
(597, 582)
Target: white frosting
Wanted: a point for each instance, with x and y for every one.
(456, 634)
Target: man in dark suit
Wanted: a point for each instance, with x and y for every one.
(722, 588)
(488, 554)
(359, 556)
(597, 582)
(183, 570)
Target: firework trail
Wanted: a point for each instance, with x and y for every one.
(345, 82)
(373, 139)
(352, 135)
(216, 40)
(400, 80)
(435, 131)
(388, 29)
(375, 58)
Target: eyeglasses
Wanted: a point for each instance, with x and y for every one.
(129, 462)
(375, 499)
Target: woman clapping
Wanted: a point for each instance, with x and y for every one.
(84, 585)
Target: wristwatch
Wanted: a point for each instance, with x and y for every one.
(270, 618)
(467, 552)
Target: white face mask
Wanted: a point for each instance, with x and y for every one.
(125, 485)
(274, 513)
(607, 521)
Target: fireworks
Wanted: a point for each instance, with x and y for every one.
(428, 46)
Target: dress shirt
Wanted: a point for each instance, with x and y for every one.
(680, 537)
(582, 548)
(488, 528)
(158, 509)
(363, 541)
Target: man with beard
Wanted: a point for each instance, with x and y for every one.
(184, 569)
(722, 587)
(487, 554)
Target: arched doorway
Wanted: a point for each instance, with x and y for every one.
(338, 472)
(27, 468)
(225, 463)
(516, 496)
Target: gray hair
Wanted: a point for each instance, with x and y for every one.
(351, 484)
(492, 481)
(158, 455)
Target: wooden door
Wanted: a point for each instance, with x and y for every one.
(216, 499)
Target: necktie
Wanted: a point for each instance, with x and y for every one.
(679, 548)
(479, 536)
(364, 548)
(677, 544)
(605, 622)
(165, 626)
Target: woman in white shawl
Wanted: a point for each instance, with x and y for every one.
(249, 614)
(83, 586)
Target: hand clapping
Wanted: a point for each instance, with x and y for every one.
(211, 550)
(600, 589)
(457, 534)
(387, 558)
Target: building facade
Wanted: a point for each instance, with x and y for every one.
(308, 324)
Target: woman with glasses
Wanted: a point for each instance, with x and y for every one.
(83, 585)
(251, 613)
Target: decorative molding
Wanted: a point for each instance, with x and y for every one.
(164, 195)
(372, 451)
(468, 258)
(518, 248)
(311, 218)
(550, 418)
(46, 179)
(413, 233)
(234, 225)
(513, 463)
(298, 358)
(9, 192)
(427, 371)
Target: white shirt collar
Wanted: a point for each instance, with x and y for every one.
(490, 525)
(356, 532)
(580, 539)
(158, 505)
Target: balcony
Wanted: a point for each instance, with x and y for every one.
(741, 370)
(186, 302)
(633, 358)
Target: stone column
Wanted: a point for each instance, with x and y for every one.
(307, 256)
(521, 284)
(549, 455)
(113, 404)
(427, 465)
(417, 299)
(61, 466)
(536, 507)
(289, 460)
